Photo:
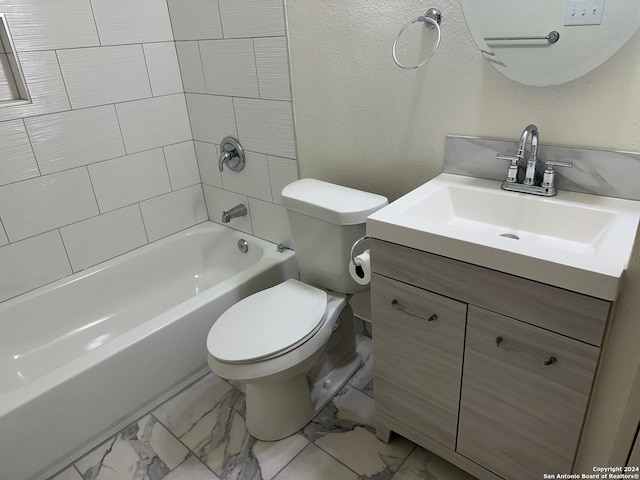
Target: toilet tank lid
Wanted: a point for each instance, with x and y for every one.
(333, 203)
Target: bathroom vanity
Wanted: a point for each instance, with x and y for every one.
(487, 345)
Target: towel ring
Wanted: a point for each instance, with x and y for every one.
(431, 19)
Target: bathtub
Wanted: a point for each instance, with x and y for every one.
(82, 356)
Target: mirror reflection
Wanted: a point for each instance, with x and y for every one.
(548, 42)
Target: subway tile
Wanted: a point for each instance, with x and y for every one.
(46, 87)
(282, 171)
(164, 71)
(272, 63)
(173, 212)
(47, 25)
(16, 156)
(212, 117)
(207, 154)
(71, 139)
(195, 19)
(270, 222)
(127, 21)
(253, 180)
(182, 165)
(191, 67)
(103, 237)
(40, 204)
(252, 18)
(154, 122)
(96, 76)
(266, 126)
(31, 263)
(219, 200)
(229, 67)
(130, 179)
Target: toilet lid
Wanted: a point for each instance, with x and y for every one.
(268, 323)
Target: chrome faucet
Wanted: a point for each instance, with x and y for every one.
(532, 161)
(239, 210)
(534, 182)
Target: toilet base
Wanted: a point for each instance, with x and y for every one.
(276, 410)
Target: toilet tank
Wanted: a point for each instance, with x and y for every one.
(326, 219)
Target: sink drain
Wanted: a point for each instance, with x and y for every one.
(510, 235)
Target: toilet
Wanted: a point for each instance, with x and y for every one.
(292, 347)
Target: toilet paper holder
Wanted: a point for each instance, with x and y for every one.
(356, 245)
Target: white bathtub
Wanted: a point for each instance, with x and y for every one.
(82, 355)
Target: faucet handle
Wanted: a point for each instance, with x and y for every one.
(548, 180)
(512, 172)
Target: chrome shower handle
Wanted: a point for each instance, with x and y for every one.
(231, 154)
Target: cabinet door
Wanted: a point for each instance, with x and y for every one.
(418, 359)
(524, 396)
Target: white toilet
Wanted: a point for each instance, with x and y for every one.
(292, 346)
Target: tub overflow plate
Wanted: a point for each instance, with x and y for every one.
(243, 246)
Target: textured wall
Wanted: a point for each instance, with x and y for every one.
(364, 122)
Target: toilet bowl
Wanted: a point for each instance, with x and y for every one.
(282, 396)
(292, 346)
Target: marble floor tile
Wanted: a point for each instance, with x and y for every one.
(349, 409)
(364, 375)
(183, 412)
(145, 450)
(69, 474)
(344, 429)
(209, 418)
(422, 464)
(191, 469)
(362, 452)
(314, 464)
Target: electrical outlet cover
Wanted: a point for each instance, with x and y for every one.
(584, 12)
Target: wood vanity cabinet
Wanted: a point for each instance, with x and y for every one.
(498, 382)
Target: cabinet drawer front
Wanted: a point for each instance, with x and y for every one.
(569, 313)
(418, 359)
(521, 412)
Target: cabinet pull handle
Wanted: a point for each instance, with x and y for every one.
(396, 306)
(500, 343)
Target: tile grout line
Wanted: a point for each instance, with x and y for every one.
(146, 66)
(95, 23)
(64, 82)
(35, 158)
(144, 225)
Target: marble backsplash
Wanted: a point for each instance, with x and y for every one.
(599, 172)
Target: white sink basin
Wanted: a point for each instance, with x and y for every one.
(575, 241)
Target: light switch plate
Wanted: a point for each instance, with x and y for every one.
(584, 12)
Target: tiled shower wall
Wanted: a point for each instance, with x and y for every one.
(103, 161)
(235, 69)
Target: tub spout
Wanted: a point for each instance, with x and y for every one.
(237, 211)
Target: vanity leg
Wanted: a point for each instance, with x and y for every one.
(383, 432)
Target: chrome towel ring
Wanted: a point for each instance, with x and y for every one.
(431, 19)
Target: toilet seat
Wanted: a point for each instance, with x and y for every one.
(268, 324)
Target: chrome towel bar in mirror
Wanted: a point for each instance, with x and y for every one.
(553, 37)
(431, 19)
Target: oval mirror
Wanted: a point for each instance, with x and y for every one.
(547, 42)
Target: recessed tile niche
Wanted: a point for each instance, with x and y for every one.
(13, 88)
